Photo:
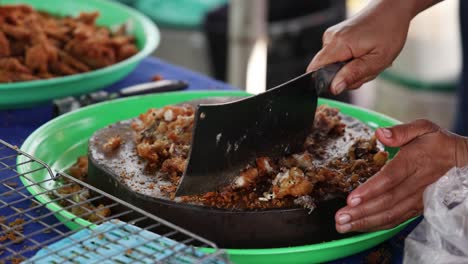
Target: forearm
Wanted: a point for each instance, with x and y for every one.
(420, 5)
(410, 8)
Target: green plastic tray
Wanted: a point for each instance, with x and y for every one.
(24, 94)
(60, 141)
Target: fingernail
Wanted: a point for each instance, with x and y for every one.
(340, 87)
(386, 132)
(344, 228)
(355, 201)
(343, 219)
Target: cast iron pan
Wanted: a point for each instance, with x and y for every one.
(120, 173)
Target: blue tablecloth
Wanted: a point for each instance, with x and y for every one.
(16, 125)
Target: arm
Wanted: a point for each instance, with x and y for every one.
(371, 39)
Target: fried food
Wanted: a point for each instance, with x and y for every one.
(36, 45)
(337, 156)
(315, 174)
(76, 197)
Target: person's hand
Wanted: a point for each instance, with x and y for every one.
(395, 193)
(371, 40)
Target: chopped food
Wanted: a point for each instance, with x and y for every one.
(37, 45)
(79, 170)
(291, 182)
(17, 260)
(382, 255)
(12, 231)
(317, 173)
(335, 159)
(157, 77)
(11, 184)
(112, 143)
(163, 137)
(78, 202)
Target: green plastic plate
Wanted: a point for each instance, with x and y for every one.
(60, 141)
(23, 94)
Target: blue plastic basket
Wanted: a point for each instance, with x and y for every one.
(120, 242)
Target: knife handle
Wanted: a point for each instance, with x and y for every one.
(153, 87)
(324, 76)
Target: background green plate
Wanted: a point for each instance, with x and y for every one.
(22, 94)
(60, 141)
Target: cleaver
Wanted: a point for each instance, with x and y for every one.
(227, 136)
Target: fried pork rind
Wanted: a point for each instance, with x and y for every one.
(163, 140)
(36, 45)
(164, 134)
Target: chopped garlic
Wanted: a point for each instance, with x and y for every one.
(304, 160)
(280, 177)
(168, 115)
(171, 149)
(269, 196)
(240, 181)
(268, 168)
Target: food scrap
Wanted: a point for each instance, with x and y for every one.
(80, 195)
(12, 230)
(380, 256)
(112, 143)
(157, 77)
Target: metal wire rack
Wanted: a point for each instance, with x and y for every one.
(69, 221)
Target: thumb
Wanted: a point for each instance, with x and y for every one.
(400, 135)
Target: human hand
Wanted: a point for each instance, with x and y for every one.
(371, 40)
(395, 193)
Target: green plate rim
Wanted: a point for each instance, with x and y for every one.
(153, 39)
(258, 252)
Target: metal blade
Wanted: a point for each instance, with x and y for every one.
(228, 136)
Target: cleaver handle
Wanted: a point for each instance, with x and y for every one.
(324, 76)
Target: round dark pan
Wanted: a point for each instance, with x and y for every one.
(122, 174)
(60, 141)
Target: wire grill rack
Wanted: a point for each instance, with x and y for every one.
(69, 221)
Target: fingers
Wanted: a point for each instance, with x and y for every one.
(400, 135)
(395, 171)
(408, 215)
(391, 217)
(330, 53)
(391, 175)
(395, 193)
(382, 203)
(356, 72)
(338, 45)
(371, 207)
(362, 82)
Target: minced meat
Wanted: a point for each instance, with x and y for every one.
(163, 139)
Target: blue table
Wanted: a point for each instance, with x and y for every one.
(16, 125)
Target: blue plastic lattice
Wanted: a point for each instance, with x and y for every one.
(119, 242)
